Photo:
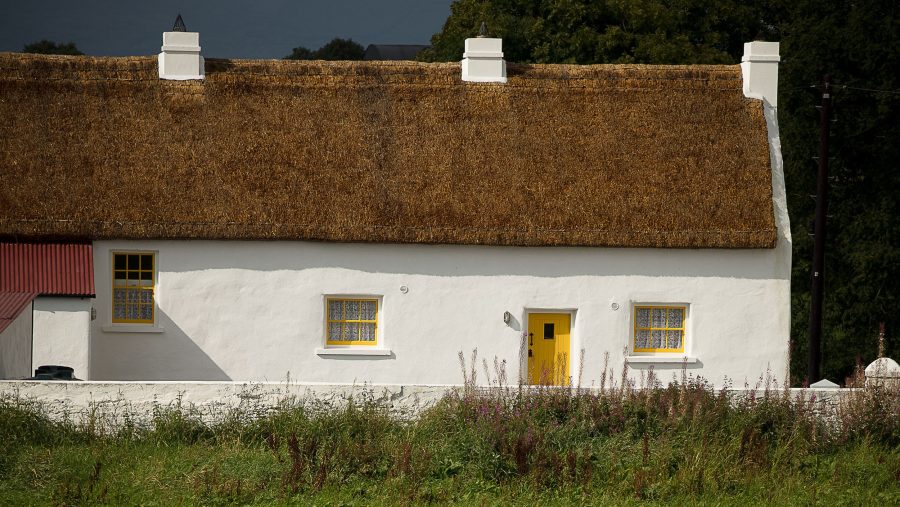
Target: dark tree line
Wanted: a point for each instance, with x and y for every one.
(337, 49)
(47, 47)
(857, 42)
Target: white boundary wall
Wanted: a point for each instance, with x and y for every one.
(110, 404)
(254, 311)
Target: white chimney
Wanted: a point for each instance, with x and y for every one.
(760, 68)
(483, 60)
(180, 58)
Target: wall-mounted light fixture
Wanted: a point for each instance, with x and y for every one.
(507, 317)
(404, 289)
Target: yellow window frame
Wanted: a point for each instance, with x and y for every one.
(666, 328)
(151, 288)
(343, 320)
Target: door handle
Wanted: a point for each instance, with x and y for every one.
(530, 339)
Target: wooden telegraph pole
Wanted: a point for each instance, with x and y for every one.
(818, 269)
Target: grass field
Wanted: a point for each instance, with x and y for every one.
(681, 444)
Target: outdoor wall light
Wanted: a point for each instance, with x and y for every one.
(507, 317)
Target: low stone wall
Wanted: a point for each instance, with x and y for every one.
(112, 404)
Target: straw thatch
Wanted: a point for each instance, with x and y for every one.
(609, 155)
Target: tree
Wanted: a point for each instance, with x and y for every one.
(337, 49)
(854, 41)
(47, 47)
(611, 31)
(300, 53)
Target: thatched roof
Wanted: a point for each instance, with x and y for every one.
(606, 155)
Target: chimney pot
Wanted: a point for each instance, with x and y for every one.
(179, 25)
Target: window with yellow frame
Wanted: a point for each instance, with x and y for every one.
(352, 321)
(659, 328)
(132, 287)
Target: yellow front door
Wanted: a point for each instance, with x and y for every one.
(548, 348)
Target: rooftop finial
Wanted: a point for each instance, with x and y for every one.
(482, 32)
(179, 25)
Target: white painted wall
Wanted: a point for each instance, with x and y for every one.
(255, 310)
(15, 347)
(62, 332)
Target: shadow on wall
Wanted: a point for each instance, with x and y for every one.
(466, 260)
(171, 355)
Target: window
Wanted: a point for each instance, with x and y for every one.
(133, 283)
(352, 321)
(659, 328)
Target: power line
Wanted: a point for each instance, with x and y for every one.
(890, 92)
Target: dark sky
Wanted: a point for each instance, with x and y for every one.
(228, 28)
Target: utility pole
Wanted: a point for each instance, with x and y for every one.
(818, 269)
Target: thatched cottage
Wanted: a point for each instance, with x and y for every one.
(367, 221)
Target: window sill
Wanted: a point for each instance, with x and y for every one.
(354, 352)
(661, 359)
(135, 328)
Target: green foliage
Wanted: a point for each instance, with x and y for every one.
(337, 49)
(46, 47)
(609, 31)
(854, 41)
(682, 444)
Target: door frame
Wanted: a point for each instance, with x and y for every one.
(573, 341)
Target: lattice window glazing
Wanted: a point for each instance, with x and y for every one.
(133, 286)
(659, 328)
(352, 321)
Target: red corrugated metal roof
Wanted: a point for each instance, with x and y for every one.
(47, 268)
(12, 304)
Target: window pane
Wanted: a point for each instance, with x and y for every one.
(134, 262)
(659, 317)
(643, 317)
(132, 312)
(146, 296)
(334, 331)
(659, 339)
(119, 311)
(133, 295)
(146, 312)
(334, 311)
(368, 310)
(675, 339)
(676, 317)
(133, 275)
(119, 261)
(642, 340)
(350, 332)
(352, 309)
(367, 332)
(119, 295)
(146, 275)
(147, 261)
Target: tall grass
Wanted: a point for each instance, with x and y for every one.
(681, 442)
